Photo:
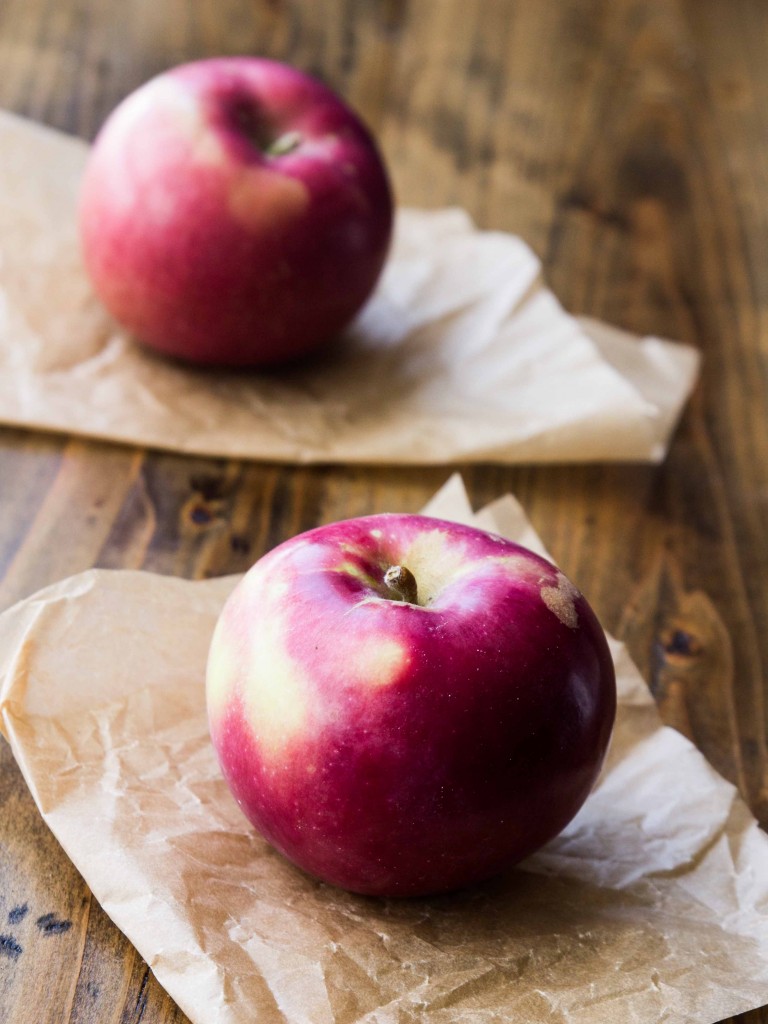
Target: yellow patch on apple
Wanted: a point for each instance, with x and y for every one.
(434, 560)
(274, 692)
(222, 670)
(378, 663)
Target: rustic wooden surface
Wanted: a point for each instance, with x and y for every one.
(627, 141)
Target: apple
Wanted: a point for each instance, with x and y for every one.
(405, 706)
(234, 211)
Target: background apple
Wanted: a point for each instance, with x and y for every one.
(404, 706)
(234, 211)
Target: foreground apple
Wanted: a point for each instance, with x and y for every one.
(235, 212)
(404, 706)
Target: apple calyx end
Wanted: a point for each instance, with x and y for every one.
(402, 584)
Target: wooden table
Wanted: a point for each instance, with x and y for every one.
(628, 143)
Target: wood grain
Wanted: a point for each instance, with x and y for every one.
(626, 142)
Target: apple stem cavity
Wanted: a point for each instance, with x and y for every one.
(402, 584)
(250, 121)
(284, 144)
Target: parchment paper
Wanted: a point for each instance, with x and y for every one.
(650, 907)
(462, 353)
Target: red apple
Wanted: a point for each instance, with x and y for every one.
(234, 211)
(405, 706)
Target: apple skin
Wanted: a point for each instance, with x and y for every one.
(213, 249)
(406, 749)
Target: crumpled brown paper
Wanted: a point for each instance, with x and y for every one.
(651, 906)
(462, 353)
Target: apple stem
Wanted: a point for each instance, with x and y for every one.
(284, 144)
(402, 583)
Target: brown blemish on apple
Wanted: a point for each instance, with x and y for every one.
(561, 601)
(259, 197)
